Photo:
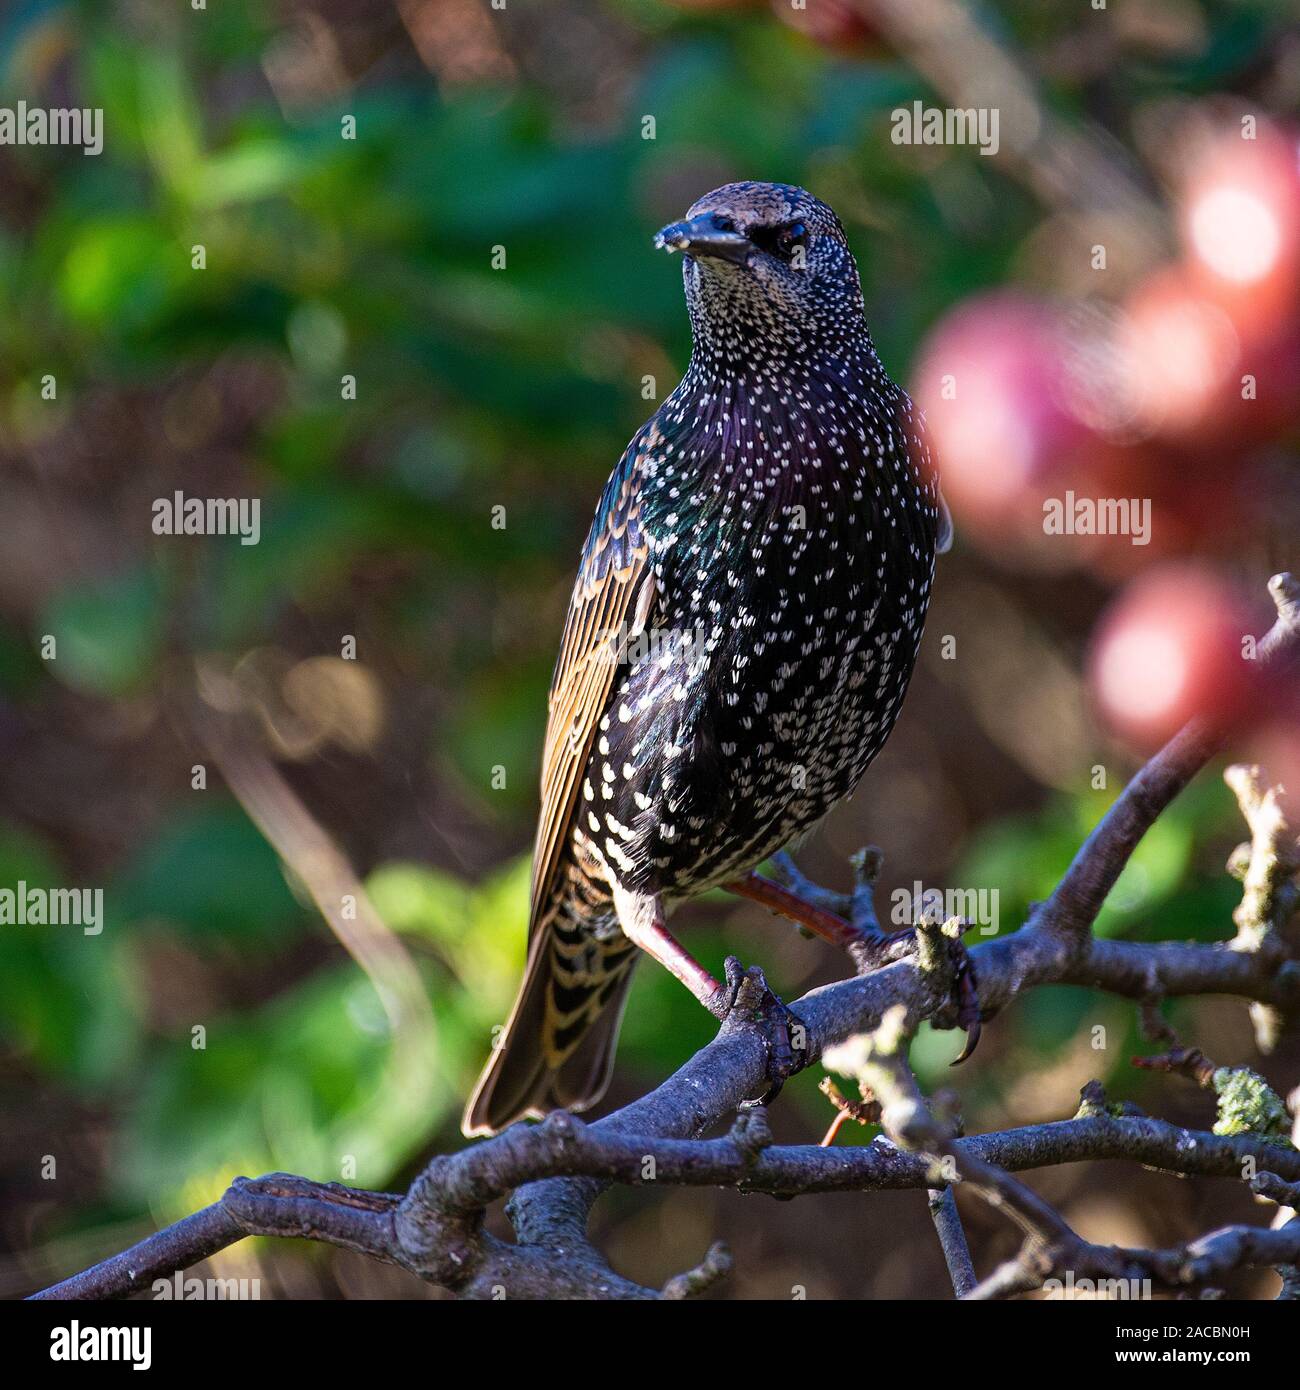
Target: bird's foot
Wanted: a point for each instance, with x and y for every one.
(874, 950)
(966, 999)
(745, 1001)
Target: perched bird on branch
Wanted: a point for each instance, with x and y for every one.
(743, 629)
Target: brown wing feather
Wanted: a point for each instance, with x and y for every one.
(615, 581)
(614, 595)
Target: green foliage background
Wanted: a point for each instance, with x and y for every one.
(476, 389)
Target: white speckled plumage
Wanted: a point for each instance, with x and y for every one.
(782, 507)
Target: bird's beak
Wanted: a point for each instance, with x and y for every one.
(701, 236)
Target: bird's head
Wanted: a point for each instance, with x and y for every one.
(767, 261)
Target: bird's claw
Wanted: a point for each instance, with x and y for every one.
(875, 951)
(746, 1001)
(965, 993)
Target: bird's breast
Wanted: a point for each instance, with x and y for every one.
(791, 593)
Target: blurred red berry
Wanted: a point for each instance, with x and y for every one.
(1173, 646)
(1180, 353)
(1241, 226)
(995, 382)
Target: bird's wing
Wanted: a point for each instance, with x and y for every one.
(611, 603)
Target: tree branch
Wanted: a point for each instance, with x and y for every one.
(435, 1231)
(557, 1169)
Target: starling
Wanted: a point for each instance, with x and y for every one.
(745, 621)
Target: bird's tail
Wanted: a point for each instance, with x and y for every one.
(547, 1060)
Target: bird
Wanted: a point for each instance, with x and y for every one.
(743, 628)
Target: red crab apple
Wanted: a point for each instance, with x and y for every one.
(1237, 295)
(1198, 373)
(1173, 646)
(994, 382)
(1180, 352)
(1240, 216)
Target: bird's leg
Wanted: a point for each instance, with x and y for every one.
(642, 918)
(821, 921)
(744, 999)
(845, 920)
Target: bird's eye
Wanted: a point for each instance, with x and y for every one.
(794, 235)
(779, 241)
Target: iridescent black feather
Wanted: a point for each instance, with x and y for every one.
(746, 619)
